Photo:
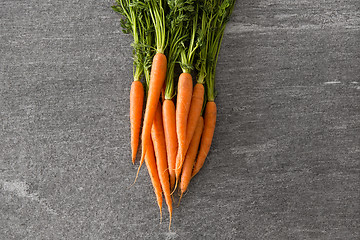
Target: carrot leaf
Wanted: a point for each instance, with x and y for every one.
(217, 16)
(177, 21)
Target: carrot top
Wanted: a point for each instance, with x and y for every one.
(147, 46)
(218, 16)
(207, 8)
(130, 23)
(189, 46)
(157, 13)
(177, 22)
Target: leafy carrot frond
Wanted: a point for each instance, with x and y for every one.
(179, 15)
(190, 46)
(149, 51)
(218, 19)
(207, 8)
(130, 10)
(157, 13)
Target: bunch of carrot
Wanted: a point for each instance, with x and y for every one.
(179, 120)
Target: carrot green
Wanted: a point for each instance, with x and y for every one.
(177, 23)
(218, 16)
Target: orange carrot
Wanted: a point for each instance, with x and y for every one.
(158, 138)
(136, 105)
(197, 102)
(154, 176)
(178, 15)
(184, 93)
(185, 89)
(132, 17)
(190, 156)
(169, 121)
(157, 78)
(207, 136)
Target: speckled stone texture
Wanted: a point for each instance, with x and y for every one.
(284, 163)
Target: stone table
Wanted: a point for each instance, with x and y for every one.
(284, 163)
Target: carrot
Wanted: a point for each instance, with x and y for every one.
(184, 93)
(207, 136)
(168, 115)
(158, 138)
(154, 176)
(179, 14)
(185, 90)
(157, 74)
(190, 157)
(150, 160)
(213, 26)
(197, 102)
(157, 77)
(136, 105)
(132, 15)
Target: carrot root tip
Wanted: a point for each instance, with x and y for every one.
(160, 216)
(170, 223)
(133, 158)
(176, 183)
(180, 198)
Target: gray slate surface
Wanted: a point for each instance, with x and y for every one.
(284, 163)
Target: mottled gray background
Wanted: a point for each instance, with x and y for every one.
(284, 163)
